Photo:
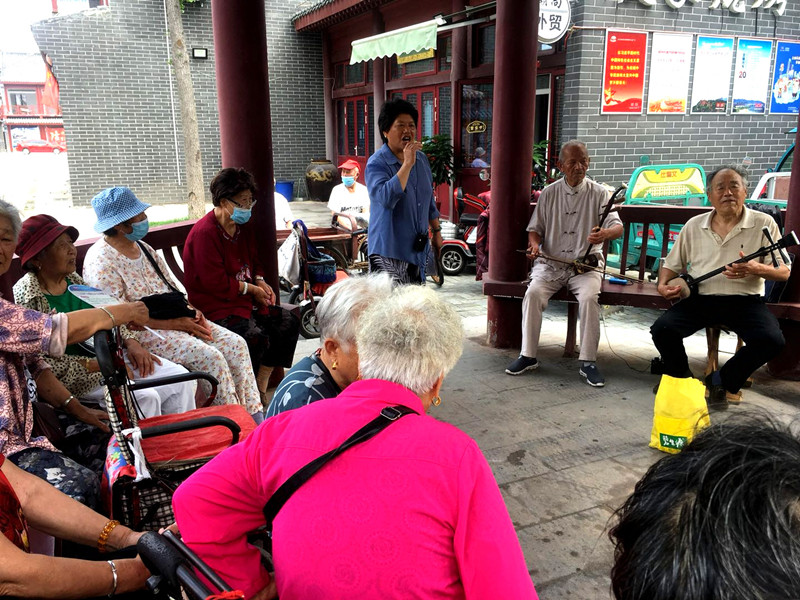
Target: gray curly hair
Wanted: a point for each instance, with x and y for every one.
(340, 308)
(411, 339)
(10, 212)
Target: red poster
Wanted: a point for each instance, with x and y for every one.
(623, 72)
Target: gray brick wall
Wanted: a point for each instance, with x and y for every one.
(616, 142)
(118, 106)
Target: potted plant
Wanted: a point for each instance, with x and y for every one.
(439, 151)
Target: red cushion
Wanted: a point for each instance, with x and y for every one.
(198, 443)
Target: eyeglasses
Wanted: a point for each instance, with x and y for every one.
(245, 206)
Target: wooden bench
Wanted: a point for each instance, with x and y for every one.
(640, 295)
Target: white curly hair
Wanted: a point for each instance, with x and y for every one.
(411, 339)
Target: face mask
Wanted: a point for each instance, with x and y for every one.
(140, 229)
(348, 181)
(240, 216)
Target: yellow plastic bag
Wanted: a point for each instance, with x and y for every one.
(680, 412)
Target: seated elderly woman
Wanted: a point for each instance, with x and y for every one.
(47, 252)
(124, 267)
(25, 335)
(333, 366)
(26, 499)
(414, 512)
(225, 277)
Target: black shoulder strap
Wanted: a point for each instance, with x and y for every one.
(156, 267)
(388, 415)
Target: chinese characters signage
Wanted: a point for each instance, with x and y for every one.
(623, 72)
(751, 76)
(670, 59)
(786, 79)
(554, 20)
(712, 74)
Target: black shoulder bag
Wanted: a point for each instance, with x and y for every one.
(169, 305)
(263, 535)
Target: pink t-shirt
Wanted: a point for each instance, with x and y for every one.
(412, 513)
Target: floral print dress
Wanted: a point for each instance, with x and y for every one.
(226, 358)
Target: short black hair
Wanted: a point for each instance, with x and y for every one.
(229, 182)
(719, 520)
(738, 169)
(393, 109)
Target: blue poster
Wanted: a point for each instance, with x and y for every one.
(751, 76)
(785, 96)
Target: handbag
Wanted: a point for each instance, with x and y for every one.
(263, 534)
(680, 413)
(168, 305)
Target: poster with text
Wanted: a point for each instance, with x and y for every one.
(623, 72)
(785, 96)
(712, 74)
(670, 62)
(751, 76)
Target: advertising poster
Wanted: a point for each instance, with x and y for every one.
(623, 72)
(785, 95)
(670, 62)
(712, 74)
(751, 76)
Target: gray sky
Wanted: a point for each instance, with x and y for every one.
(15, 26)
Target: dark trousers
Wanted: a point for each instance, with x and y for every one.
(746, 316)
(271, 338)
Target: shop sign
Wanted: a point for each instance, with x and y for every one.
(554, 20)
(623, 72)
(786, 79)
(670, 60)
(737, 7)
(476, 127)
(712, 74)
(415, 56)
(751, 76)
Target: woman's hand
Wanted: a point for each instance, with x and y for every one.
(131, 312)
(262, 293)
(90, 416)
(141, 359)
(268, 593)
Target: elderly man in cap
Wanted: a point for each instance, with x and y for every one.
(350, 197)
(478, 161)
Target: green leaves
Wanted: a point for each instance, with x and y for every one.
(439, 151)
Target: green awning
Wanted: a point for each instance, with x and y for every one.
(413, 38)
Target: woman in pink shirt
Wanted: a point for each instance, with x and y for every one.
(413, 512)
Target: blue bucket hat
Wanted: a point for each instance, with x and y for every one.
(114, 206)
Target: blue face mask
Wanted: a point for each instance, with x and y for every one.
(240, 216)
(348, 181)
(140, 229)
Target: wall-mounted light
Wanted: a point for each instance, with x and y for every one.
(200, 53)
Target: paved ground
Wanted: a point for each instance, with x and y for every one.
(565, 454)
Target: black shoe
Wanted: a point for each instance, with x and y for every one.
(521, 365)
(716, 396)
(592, 374)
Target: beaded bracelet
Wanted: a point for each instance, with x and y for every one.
(103, 539)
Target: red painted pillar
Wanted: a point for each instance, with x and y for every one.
(512, 149)
(787, 364)
(458, 72)
(240, 47)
